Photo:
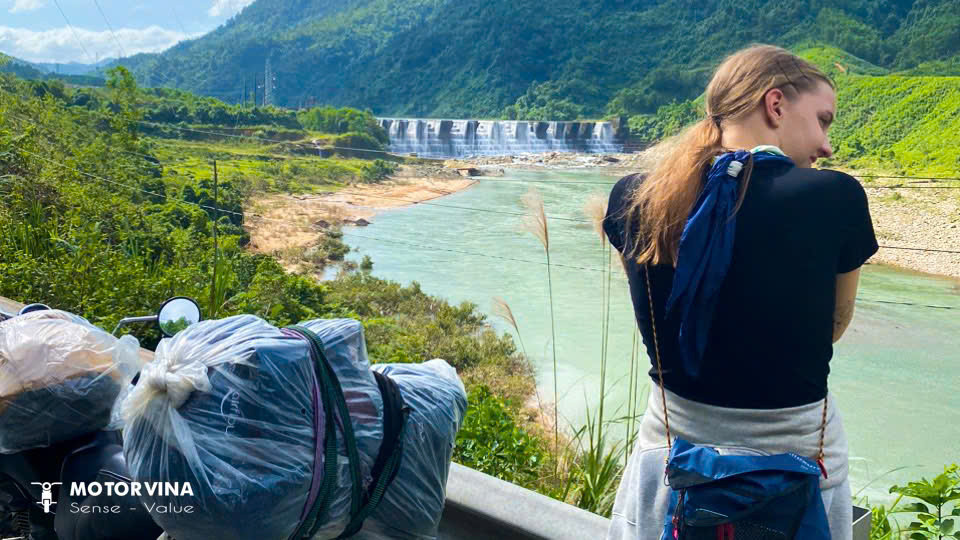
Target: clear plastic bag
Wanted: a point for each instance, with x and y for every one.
(226, 406)
(412, 506)
(60, 378)
(229, 407)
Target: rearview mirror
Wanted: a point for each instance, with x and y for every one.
(32, 307)
(176, 314)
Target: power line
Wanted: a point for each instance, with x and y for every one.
(921, 249)
(401, 242)
(470, 208)
(906, 303)
(928, 178)
(109, 27)
(77, 37)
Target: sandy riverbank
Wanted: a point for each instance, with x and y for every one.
(285, 225)
(924, 218)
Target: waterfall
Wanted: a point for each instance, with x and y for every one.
(461, 138)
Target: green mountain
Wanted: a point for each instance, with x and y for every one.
(534, 59)
(26, 70)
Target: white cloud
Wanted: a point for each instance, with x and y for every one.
(27, 5)
(60, 45)
(227, 7)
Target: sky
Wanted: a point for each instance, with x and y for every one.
(37, 31)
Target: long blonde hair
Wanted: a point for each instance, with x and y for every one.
(659, 208)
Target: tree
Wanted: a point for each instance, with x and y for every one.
(123, 95)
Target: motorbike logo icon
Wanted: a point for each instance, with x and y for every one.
(46, 495)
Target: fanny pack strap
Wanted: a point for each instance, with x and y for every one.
(663, 393)
(388, 459)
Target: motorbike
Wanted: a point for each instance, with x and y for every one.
(37, 496)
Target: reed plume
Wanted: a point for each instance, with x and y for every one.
(596, 211)
(502, 309)
(536, 223)
(536, 220)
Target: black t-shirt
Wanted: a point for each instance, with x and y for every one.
(771, 339)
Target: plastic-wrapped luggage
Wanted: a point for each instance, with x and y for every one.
(60, 378)
(413, 504)
(234, 408)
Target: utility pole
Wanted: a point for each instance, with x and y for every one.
(267, 84)
(255, 90)
(243, 96)
(216, 247)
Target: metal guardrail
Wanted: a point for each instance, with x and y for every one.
(480, 507)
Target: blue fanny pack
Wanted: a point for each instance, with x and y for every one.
(727, 497)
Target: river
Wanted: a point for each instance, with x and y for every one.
(894, 373)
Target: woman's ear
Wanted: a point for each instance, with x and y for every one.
(773, 102)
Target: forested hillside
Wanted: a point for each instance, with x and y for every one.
(559, 60)
(899, 122)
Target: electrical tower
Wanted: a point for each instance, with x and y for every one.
(269, 84)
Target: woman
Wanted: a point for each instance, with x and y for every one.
(753, 270)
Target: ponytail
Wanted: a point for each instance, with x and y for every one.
(660, 206)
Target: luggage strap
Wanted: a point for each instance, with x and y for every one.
(388, 458)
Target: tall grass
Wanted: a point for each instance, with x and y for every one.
(502, 309)
(591, 463)
(596, 210)
(536, 223)
(595, 469)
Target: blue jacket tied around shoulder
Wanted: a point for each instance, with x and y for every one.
(706, 248)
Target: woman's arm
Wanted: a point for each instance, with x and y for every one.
(846, 296)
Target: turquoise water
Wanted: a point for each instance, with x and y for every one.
(895, 373)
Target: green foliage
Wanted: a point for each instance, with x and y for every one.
(377, 171)
(898, 122)
(561, 60)
(405, 323)
(937, 515)
(857, 38)
(123, 93)
(343, 120)
(173, 326)
(663, 85)
(281, 298)
(668, 120)
(170, 106)
(891, 122)
(551, 100)
(353, 144)
(22, 69)
(367, 264)
(331, 248)
(594, 477)
(492, 442)
(838, 63)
